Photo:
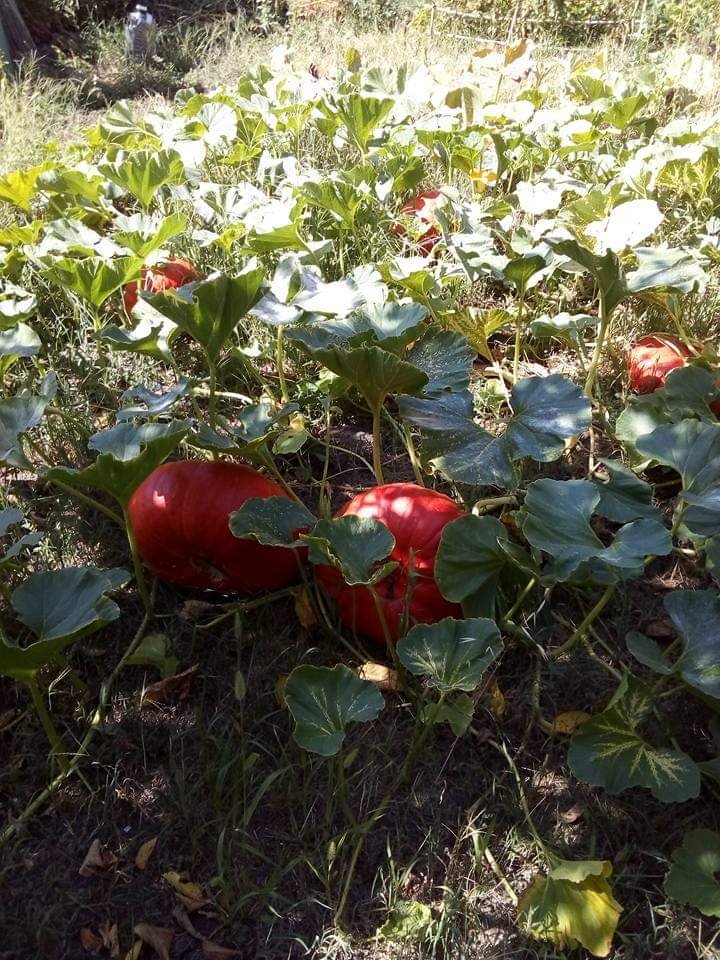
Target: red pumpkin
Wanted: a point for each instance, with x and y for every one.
(415, 517)
(423, 208)
(651, 359)
(170, 275)
(179, 516)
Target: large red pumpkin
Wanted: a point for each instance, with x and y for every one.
(170, 275)
(651, 359)
(423, 208)
(415, 517)
(179, 516)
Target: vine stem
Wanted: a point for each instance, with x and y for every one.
(502, 749)
(605, 322)
(280, 363)
(90, 501)
(367, 825)
(12, 829)
(518, 340)
(212, 396)
(269, 464)
(587, 622)
(377, 449)
(58, 748)
(137, 564)
(532, 582)
(248, 605)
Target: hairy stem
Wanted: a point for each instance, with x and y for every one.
(58, 748)
(377, 448)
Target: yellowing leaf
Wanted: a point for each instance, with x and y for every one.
(384, 678)
(496, 700)
(191, 894)
(134, 951)
(304, 609)
(280, 685)
(569, 721)
(144, 853)
(573, 905)
(158, 938)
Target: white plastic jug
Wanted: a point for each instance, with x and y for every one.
(140, 28)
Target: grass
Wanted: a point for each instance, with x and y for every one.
(262, 827)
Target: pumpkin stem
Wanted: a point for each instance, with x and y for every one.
(377, 448)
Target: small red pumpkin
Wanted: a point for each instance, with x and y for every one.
(179, 516)
(415, 517)
(423, 208)
(170, 275)
(651, 359)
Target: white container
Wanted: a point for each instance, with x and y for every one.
(140, 30)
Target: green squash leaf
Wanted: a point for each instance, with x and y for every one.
(452, 654)
(324, 701)
(608, 751)
(210, 311)
(143, 172)
(59, 607)
(128, 453)
(623, 495)
(696, 615)
(274, 521)
(692, 877)
(353, 545)
(470, 559)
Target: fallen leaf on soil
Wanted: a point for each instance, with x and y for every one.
(384, 678)
(190, 894)
(110, 939)
(193, 609)
(97, 861)
(180, 916)
(144, 853)
(89, 940)
(304, 609)
(496, 700)
(158, 938)
(211, 949)
(280, 685)
(660, 630)
(177, 687)
(573, 813)
(569, 721)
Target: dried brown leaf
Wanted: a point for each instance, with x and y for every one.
(569, 721)
(111, 940)
(211, 949)
(97, 861)
(143, 855)
(89, 940)
(180, 916)
(158, 939)
(175, 688)
(384, 678)
(573, 814)
(192, 610)
(304, 609)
